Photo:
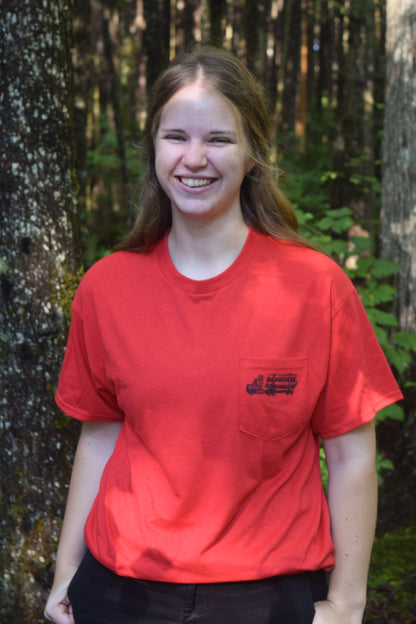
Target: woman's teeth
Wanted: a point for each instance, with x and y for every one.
(193, 182)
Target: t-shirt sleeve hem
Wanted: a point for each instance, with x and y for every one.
(364, 418)
(83, 415)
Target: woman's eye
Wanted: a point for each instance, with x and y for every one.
(220, 140)
(174, 137)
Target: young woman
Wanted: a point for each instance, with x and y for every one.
(207, 357)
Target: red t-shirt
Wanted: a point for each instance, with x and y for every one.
(224, 387)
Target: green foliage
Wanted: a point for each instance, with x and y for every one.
(104, 159)
(324, 469)
(332, 230)
(111, 198)
(392, 578)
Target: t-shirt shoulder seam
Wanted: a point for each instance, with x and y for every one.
(79, 413)
(344, 302)
(366, 417)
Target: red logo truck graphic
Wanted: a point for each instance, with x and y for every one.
(276, 383)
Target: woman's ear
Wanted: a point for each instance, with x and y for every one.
(250, 165)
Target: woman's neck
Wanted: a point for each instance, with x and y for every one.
(201, 251)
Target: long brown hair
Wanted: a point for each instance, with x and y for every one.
(264, 206)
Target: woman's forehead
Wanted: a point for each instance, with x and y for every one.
(199, 102)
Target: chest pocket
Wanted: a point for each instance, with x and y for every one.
(273, 396)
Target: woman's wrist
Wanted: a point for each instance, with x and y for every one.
(351, 605)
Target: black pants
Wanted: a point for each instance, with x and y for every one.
(99, 596)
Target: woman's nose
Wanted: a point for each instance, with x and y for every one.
(195, 155)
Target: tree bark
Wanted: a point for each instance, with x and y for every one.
(217, 12)
(398, 229)
(254, 34)
(37, 233)
(354, 144)
(83, 64)
(291, 64)
(398, 239)
(115, 99)
(270, 61)
(155, 40)
(326, 55)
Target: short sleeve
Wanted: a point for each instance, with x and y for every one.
(84, 390)
(359, 380)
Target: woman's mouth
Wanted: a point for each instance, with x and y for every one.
(196, 182)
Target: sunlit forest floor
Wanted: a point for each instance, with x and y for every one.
(392, 580)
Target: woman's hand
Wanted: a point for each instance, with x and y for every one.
(327, 612)
(95, 446)
(58, 608)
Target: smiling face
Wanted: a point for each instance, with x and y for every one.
(201, 154)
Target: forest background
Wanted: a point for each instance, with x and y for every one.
(75, 78)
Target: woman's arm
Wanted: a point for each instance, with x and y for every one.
(95, 447)
(352, 499)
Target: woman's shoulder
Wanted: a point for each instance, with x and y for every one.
(118, 264)
(115, 273)
(304, 270)
(297, 259)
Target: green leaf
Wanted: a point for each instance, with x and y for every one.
(382, 464)
(384, 293)
(361, 244)
(382, 337)
(377, 267)
(329, 175)
(337, 213)
(325, 223)
(400, 359)
(391, 412)
(339, 247)
(377, 293)
(405, 340)
(382, 318)
(304, 217)
(335, 223)
(384, 268)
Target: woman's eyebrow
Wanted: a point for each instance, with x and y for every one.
(229, 132)
(172, 130)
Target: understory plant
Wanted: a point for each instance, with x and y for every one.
(336, 233)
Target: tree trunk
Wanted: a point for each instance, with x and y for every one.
(353, 156)
(115, 100)
(398, 231)
(155, 40)
(310, 22)
(398, 237)
(291, 64)
(217, 12)
(326, 56)
(189, 24)
(254, 34)
(236, 24)
(270, 62)
(83, 64)
(37, 267)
